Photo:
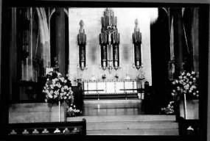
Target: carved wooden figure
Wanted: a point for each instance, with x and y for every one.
(109, 40)
(137, 40)
(81, 37)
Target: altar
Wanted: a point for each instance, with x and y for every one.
(114, 89)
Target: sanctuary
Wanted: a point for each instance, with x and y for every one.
(107, 70)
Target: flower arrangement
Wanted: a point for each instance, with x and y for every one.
(187, 83)
(169, 109)
(73, 111)
(57, 88)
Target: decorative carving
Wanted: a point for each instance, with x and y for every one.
(81, 37)
(115, 38)
(103, 39)
(25, 132)
(13, 132)
(137, 40)
(57, 130)
(45, 131)
(35, 131)
(109, 39)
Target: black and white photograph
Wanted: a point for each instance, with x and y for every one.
(104, 70)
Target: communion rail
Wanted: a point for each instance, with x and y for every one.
(114, 89)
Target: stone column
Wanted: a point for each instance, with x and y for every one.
(14, 91)
(178, 40)
(60, 39)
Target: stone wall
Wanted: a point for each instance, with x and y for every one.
(34, 112)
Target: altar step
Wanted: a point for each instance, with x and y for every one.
(112, 107)
(130, 125)
(111, 96)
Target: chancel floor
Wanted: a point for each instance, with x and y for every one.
(124, 117)
(103, 117)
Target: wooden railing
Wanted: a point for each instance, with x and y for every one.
(114, 89)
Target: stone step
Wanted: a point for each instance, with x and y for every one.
(112, 112)
(134, 118)
(121, 132)
(95, 104)
(112, 107)
(132, 125)
(110, 96)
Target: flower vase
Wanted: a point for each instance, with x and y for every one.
(185, 106)
(189, 108)
(65, 110)
(56, 111)
(59, 110)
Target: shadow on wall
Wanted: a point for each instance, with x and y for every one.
(126, 52)
(93, 48)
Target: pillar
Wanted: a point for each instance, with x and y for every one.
(60, 39)
(178, 40)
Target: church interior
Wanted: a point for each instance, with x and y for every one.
(119, 71)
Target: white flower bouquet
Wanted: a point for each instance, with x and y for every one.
(187, 83)
(73, 111)
(57, 88)
(184, 87)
